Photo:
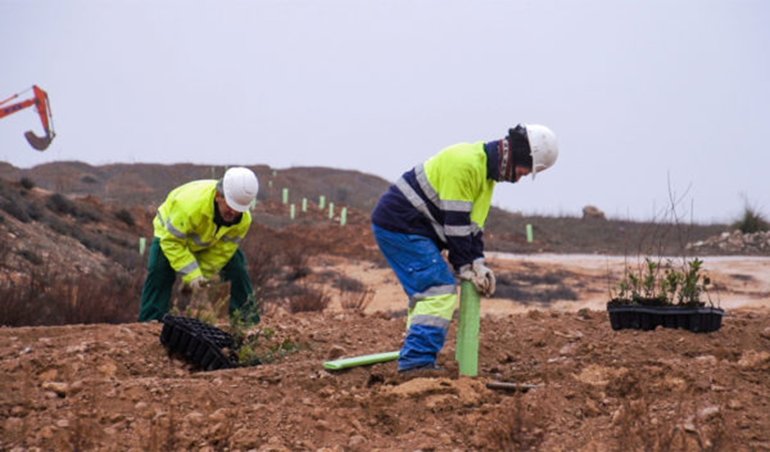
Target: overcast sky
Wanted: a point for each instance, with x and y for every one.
(649, 99)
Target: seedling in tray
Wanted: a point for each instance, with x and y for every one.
(647, 300)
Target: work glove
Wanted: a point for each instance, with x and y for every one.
(484, 277)
(466, 273)
(196, 285)
(480, 275)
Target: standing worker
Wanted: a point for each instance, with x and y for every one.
(443, 204)
(197, 232)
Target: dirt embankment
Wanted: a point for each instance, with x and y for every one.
(105, 387)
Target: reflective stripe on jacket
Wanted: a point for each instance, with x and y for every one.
(447, 199)
(189, 238)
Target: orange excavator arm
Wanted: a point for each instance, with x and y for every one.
(41, 103)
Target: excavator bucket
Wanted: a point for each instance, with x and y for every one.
(40, 102)
(39, 143)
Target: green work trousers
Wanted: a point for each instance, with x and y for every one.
(156, 295)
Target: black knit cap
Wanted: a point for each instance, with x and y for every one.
(519, 143)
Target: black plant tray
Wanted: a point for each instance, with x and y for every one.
(699, 320)
(198, 342)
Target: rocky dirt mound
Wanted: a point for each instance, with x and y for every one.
(44, 230)
(735, 242)
(103, 387)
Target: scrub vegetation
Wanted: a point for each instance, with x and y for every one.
(50, 296)
(751, 221)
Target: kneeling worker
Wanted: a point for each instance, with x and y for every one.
(197, 232)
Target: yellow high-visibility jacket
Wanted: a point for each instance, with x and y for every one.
(458, 176)
(194, 245)
(446, 199)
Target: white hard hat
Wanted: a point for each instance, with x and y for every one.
(240, 186)
(545, 149)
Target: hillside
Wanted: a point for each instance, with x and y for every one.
(139, 188)
(147, 184)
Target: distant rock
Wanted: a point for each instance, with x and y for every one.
(593, 212)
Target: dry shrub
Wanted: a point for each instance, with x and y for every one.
(296, 260)
(346, 284)
(112, 300)
(278, 263)
(27, 183)
(263, 259)
(59, 204)
(356, 301)
(47, 297)
(125, 216)
(268, 308)
(353, 294)
(534, 288)
(273, 256)
(15, 208)
(307, 299)
(5, 251)
(752, 220)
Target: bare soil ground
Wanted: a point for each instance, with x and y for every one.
(115, 387)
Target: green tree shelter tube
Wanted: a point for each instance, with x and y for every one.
(467, 353)
(375, 358)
